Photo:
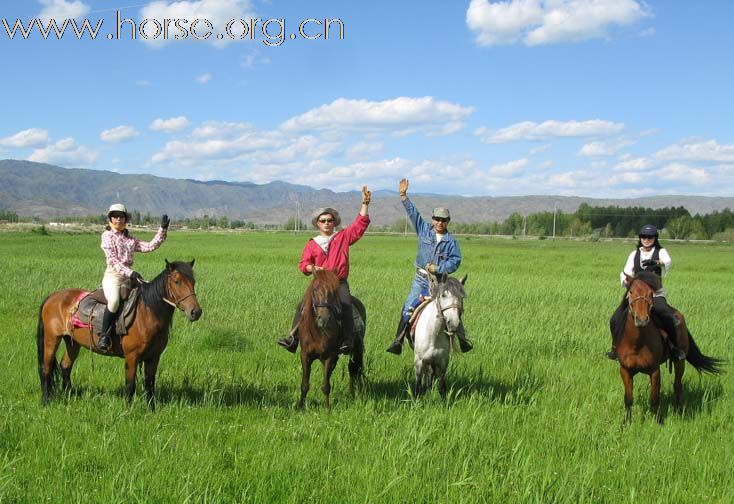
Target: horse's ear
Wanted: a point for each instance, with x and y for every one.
(432, 282)
(443, 278)
(463, 280)
(168, 265)
(192, 262)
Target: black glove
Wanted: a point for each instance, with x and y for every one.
(165, 221)
(136, 278)
(648, 262)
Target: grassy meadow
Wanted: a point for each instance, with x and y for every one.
(534, 412)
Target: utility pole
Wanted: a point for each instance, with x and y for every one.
(555, 207)
(297, 227)
(524, 223)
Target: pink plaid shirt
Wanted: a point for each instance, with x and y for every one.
(119, 249)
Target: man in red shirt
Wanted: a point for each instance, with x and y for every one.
(330, 250)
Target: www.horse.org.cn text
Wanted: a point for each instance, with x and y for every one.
(271, 31)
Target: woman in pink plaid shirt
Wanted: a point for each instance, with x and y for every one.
(119, 246)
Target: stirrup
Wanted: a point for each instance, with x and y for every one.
(289, 344)
(346, 346)
(104, 342)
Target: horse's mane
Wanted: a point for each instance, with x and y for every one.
(154, 291)
(651, 279)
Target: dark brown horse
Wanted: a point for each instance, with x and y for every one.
(144, 342)
(642, 346)
(319, 332)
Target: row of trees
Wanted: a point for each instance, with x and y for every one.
(610, 221)
(620, 222)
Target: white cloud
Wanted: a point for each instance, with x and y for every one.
(363, 150)
(142, 83)
(694, 150)
(118, 134)
(603, 148)
(510, 169)
(539, 149)
(170, 125)
(402, 115)
(538, 22)
(253, 59)
(217, 12)
(529, 130)
(65, 152)
(33, 137)
(677, 172)
(634, 164)
(60, 10)
(204, 78)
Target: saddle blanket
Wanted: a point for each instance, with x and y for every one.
(90, 312)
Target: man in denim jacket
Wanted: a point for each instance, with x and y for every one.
(438, 253)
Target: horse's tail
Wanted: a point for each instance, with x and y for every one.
(41, 344)
(701, 362)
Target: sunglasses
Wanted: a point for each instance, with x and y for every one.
(117, 216)
(440, 219)
(325, 221)
(647, 237)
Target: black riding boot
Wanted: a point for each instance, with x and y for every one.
(464, 344)
(290, 342)
(397, 346)
(347, 330)
(670, 324)
(108, 330)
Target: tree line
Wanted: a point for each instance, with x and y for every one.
(586, 221)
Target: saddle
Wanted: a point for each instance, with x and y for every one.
(414, 316)
(90, 307)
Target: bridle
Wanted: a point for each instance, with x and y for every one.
(441, 309)
(631, 300)
(176, 302)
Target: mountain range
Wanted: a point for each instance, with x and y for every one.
(43, 190)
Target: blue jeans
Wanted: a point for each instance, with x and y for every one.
(419, 287)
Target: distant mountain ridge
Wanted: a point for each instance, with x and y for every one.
(44, 190)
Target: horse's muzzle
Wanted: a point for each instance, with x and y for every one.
(640, 322)
(194, 314)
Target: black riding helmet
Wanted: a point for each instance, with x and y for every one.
(648, 230)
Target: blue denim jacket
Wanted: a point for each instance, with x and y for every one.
(445, 254)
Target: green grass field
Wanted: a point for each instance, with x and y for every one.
(534, 412)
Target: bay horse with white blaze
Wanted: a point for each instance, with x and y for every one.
(320, 333)
(435, 331)
(144, 342)
(641, 345)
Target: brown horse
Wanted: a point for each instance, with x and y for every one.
(642, 347)
(144, 342)
(319, 333)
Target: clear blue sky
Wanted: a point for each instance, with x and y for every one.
(602, 98)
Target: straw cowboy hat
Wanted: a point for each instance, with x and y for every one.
(118, 208)
(328, 210)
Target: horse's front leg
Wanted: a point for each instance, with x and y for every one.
(131, 368)
(627, 381)
(655, 394)
(305, 377)
(151, 367)
(329, 366)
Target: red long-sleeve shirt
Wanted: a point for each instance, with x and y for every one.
(337, 260)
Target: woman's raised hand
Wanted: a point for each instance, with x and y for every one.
(366, 196)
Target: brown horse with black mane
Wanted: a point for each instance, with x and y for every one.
(144, 342)
(319, 332)
(642, 348)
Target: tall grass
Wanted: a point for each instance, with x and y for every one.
(534, 412)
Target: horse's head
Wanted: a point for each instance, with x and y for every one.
(449, 295)
(639, 300)
(324, 290)
(179, 288)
